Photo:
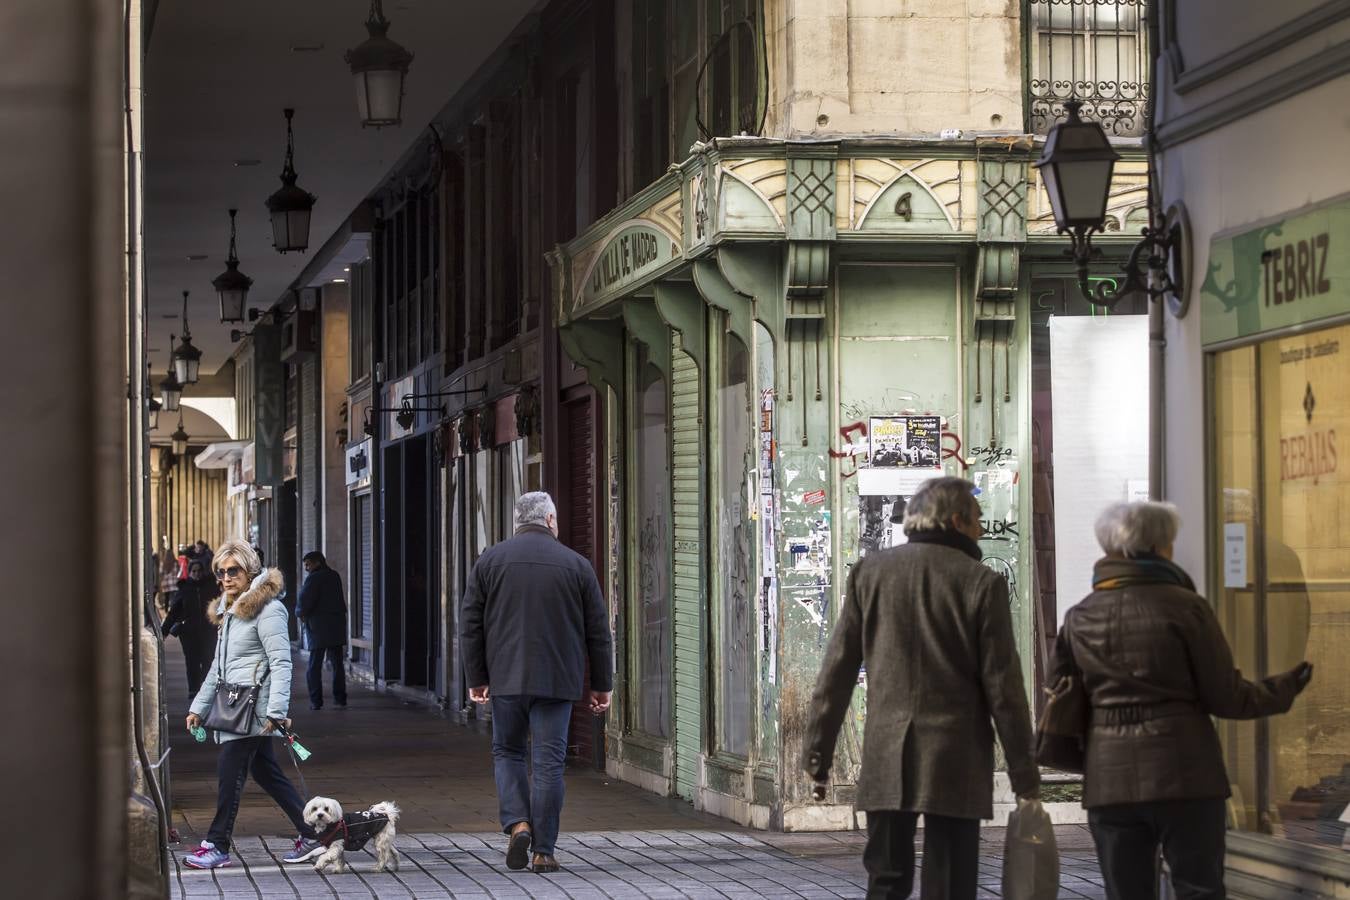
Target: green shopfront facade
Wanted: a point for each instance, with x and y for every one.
(1275, 326)
(753, 323)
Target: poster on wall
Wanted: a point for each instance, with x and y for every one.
(905, 451)
(880, 520)
(905, 442)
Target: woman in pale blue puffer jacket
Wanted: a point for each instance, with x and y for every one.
(252, 647)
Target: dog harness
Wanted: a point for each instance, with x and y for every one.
(355, 828)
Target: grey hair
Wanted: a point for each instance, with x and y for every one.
(937, 502)
(534, 508)
(1132, 529)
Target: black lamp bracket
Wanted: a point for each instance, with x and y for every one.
(1154, 266)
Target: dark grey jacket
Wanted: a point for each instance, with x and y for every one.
(322, 608)
(934, 628)
(532, 617)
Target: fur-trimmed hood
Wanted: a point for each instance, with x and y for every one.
(268, 585)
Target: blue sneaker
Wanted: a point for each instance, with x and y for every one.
(207, 857)
(304, 851)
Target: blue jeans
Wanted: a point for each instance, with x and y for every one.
(542, 722)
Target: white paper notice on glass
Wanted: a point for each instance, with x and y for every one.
(1235, 555)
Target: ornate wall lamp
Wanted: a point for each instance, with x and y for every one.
(1076, 167)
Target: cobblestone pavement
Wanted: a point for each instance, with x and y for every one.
(618, 841)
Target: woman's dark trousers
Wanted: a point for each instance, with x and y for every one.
(199, 651)
(951, 856)
(1190, 833)
(238, 759)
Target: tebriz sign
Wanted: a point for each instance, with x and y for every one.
(630, 254)
(358, 462)
(1288, 271)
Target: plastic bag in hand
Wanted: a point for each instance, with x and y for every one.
(1030, 858)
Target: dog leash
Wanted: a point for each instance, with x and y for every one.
(291, 743)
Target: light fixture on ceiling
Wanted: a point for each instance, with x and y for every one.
(196, 257)
(232, 285)
(170, 389)
(380, 66)
(290, 206)
(246, 163)
(339, 281)
(179, 437)
(187, 359)
(307, 48)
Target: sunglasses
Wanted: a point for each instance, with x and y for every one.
(230, 572)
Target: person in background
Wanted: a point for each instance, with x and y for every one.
(1156, 667)
(188, 620)
(167, 573)
(200, 551)
(934, 628)
(253, 646)
(184, 558)
(323, 616)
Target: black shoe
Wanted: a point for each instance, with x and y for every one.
(316, 706)
(518, 850)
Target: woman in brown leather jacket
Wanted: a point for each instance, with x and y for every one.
(1156, 667)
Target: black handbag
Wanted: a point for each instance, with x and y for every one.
(1061, 734)
(233, 705)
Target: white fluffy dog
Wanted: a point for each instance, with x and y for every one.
(340, 833)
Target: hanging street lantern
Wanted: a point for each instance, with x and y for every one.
(290, 206)
(187, 359)
(152, 406)
(170, 389)
(380, 67)
(232, 285)
(179, 438)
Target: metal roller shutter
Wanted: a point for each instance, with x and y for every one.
(580, 521)
(309, 486)
(687, 499)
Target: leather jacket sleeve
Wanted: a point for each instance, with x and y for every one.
(1222, 689)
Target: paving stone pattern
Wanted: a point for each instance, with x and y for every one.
(618, 841)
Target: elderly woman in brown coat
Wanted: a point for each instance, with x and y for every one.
(1155, 666)
(934, 627)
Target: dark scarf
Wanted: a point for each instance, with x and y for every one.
(1112, 572)
(948, 538)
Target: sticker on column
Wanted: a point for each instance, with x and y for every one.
(1235, 555)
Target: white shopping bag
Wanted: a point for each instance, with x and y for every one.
(1030, 859)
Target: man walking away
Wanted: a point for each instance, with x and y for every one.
(323, 616)
(933, 627)
(532, 618)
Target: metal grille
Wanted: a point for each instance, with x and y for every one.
(1092, 50)
(309, 483)
(362, 579)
